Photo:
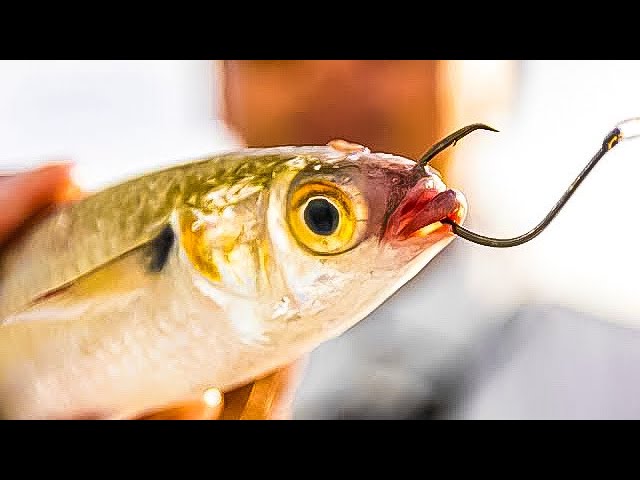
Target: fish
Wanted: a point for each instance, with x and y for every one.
(209, 273)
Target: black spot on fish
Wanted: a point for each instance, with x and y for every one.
(160, 248)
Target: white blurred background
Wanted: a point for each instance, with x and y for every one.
(118, 118)
(560, 112)
(113, 118)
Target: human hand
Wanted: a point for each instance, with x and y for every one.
(268, 398)
(26, 194)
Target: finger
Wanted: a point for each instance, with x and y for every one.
(195, 410)
(235, 402)
(24, 194)
(290, 379)
(262, 400)
(71, 193)
(270, 397)
(209, 406)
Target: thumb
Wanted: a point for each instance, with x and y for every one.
(25, 194)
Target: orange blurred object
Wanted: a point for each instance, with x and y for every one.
(385, 105)
(268, 398)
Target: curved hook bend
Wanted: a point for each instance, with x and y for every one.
(624, 130)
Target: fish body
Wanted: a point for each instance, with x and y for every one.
(209, 273)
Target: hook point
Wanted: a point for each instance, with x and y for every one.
(451, 140)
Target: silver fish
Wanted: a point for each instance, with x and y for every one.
(208, 274)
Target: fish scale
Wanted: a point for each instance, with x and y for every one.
(102, 227)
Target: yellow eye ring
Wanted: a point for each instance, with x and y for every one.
(324, 218)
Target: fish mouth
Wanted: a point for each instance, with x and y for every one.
(421, 211)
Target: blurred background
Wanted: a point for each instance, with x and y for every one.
(544, 330)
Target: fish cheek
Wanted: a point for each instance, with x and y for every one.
(384, 185)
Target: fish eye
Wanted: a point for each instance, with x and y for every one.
(325, 218)
(321, 216)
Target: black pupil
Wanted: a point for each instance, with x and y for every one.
(321, 216)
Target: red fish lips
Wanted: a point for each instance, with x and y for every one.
(424, 205)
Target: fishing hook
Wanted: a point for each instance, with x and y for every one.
(626, 129)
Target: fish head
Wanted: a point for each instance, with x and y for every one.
(347, 231)
(297, 250)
